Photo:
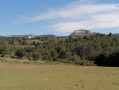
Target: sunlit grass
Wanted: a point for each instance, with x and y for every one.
(57, 77)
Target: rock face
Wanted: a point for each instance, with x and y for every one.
(81, 32)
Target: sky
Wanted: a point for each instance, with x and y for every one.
(59, 17)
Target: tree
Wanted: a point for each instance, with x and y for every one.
(54, 54)
(36, 56)
(76, 59)
(63, 55)
(110, 34)
(2, 51)
(19, 53)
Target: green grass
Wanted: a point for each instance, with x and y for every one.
(57, 77)
(18, 61)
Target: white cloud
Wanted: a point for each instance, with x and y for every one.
(81, 14)
(95, 22)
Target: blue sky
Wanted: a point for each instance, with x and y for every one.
(60, 17)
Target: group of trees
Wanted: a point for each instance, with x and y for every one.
(97, 49)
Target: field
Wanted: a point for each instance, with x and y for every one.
(57, 77)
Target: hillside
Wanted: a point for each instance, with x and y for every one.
(95, 49)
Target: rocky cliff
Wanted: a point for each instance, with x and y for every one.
(81, 32)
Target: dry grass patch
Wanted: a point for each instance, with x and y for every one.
(57, 77)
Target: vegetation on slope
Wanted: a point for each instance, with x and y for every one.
(97, 49)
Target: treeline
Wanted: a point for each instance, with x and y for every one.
(98, 49)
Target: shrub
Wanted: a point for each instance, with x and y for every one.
(63, 60)
(35, 56)
(19, 53)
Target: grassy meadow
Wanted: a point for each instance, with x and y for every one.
(57, 77)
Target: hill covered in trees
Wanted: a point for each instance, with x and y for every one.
(96, 49)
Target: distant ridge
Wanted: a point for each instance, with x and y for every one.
(116, 34)
(25, 36)
(30, 36)
(48, 35)
(76, 33)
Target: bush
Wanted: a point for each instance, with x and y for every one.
(35, 56)
(19, 53)
(76, 59)
(86, 63)
(63, 60)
